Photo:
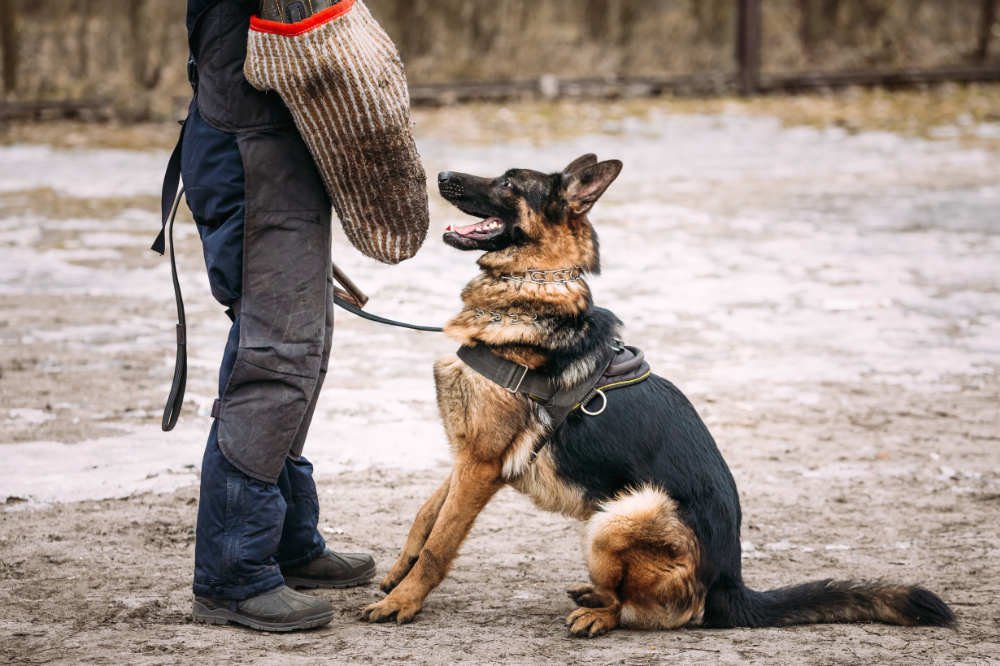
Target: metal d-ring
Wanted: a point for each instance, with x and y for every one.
(604, 403)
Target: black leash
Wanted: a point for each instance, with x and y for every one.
(351, 307)
(175, 400)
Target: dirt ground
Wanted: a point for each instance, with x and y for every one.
(107, 581)
(828, 299)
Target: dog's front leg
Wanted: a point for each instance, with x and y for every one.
(472, 485)
(421, 529)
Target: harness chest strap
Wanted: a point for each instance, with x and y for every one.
(623, 366)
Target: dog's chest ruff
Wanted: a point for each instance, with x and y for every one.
(622, 366)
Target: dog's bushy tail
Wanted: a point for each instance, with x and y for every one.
(825, 601)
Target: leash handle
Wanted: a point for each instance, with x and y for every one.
(175, 400)
(351, 291)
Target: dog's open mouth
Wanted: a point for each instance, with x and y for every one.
(481, 230)
(481, 235)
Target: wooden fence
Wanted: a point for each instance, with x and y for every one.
(125, 58)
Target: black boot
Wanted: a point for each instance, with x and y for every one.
(281, 609)
(332, 570)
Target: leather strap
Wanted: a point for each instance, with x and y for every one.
(630, 364)
(511, 376)
(175, 400)
(518, 378)
(170, 199)
(171, 181)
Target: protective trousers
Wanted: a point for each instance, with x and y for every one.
(264, 219)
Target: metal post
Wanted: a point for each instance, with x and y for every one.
(749, 23)
(989, 16)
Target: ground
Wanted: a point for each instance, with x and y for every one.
(827, 296)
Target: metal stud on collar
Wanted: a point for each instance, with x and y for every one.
(498, 317)
(539, 276)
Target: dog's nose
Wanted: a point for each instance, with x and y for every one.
(444, 177)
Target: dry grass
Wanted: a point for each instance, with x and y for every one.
(948, 111)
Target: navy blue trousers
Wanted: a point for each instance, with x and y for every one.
(247, 529)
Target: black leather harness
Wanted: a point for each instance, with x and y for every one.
(622, 366)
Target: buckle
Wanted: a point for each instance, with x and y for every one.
(519, 381)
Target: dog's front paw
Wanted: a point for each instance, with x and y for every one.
(591, 622)
(392, 607)
(397, 573)
(388, 583)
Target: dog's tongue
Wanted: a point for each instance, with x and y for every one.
(484, 226)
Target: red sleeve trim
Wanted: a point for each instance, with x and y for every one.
(291, 29)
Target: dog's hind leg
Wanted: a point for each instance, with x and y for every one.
(421, 529)
(599, 603)
(643, 564)
(473, 483)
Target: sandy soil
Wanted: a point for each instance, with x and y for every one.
(827, 298)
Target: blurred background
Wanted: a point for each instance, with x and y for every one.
(125, 58)
(804, 238)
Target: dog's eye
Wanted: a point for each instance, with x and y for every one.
(506, 183)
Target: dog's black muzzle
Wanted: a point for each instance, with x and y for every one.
(450, 185)
(472, 195)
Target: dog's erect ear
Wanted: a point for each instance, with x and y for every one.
(584, 186)
(582, 161)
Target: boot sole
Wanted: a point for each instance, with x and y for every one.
(204, 614)
(314, 583)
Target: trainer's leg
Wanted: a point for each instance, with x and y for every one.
(301, 541)
(283, 307)
(299, 441)
(239, 519)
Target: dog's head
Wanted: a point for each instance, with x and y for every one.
(530, 219)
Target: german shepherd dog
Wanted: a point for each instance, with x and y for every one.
(663, 515)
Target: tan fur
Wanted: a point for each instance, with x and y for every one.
(482, 420)
(560, 246)
(470, 488)
(887, 600)
(644, 559)
(571, 243)
(417, 537)
(640, 556)
(540, 482)
(518, 457)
